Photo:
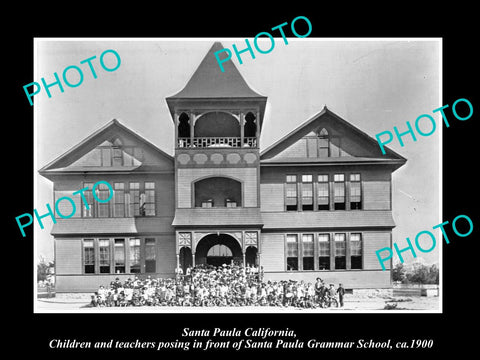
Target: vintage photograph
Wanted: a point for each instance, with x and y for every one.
(169, 178)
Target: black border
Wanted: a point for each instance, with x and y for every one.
(450, 330)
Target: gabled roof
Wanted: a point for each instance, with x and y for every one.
(63, 162)
(273, 154)
(208, 81)
(209, 84)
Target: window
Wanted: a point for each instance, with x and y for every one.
(106, 157)
(340, 255)
(230, 203)
(292, 252)
(291, 193)
(149, 204)
(339, 191)
(119, 256)
(307, 249)
(88, 256)
(119, 200)
(323, 251)
(134, 199)
(207, 204)
(134, 255)
(104, 250)
(323, 144)
(103, 193)
(355, 192)
(117, 157)
(150, 256)
(323, 195)
(307, 192)
(356, 251)
(88, 200)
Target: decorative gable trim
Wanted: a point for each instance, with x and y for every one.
(307, 128)
(99, 137)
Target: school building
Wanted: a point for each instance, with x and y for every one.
(317, 203)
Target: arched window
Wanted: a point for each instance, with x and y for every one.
(217, 124)
(250, 129)
(183, 126)
(220, 250)
(218, 192)
(323, 143)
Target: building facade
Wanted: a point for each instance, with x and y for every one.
(317, 203)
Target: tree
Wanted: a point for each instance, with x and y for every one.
(398, 273)
(424, 274)
(43, 269)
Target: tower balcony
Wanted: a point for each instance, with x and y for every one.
(217, 142)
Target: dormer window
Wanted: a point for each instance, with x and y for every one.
(323, 143)
(117, 157)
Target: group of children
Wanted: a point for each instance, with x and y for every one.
(225, 285)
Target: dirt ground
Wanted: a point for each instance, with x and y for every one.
(79, 303)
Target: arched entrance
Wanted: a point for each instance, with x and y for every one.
(185, 258)
(251, 256)
(218, 255)
(209, 252)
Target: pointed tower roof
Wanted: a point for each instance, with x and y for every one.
(208, 81)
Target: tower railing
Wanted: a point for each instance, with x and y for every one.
(226, 141)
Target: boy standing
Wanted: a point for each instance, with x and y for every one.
(340, 292)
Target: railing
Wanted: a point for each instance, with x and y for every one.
(204, 142)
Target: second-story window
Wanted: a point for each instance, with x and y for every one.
(103, 193)
(88, 212)
(134, 205)
(339, 191)
(323, 195)
(149, 199)
(119, 200)
(355, 192)
(291, 193)
(307, 192)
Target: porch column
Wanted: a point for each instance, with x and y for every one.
(242, 128)
(192, 127)
(193, 259)
(178, 264)
(244, 261)
(176, 130)
(257, 130)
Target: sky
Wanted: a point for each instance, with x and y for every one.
(374, 84)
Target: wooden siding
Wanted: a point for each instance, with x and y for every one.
(296, 150)
(166, 256)
(272, 197)
(68, 256)
(65, 206)
(373, 241)
(272, 257)
(186, 177)
(376, 195)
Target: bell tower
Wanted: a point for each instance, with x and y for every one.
(218, 120)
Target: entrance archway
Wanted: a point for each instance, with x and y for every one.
(207, 251)
(185, 258)
(218, 255)
(251, 256)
